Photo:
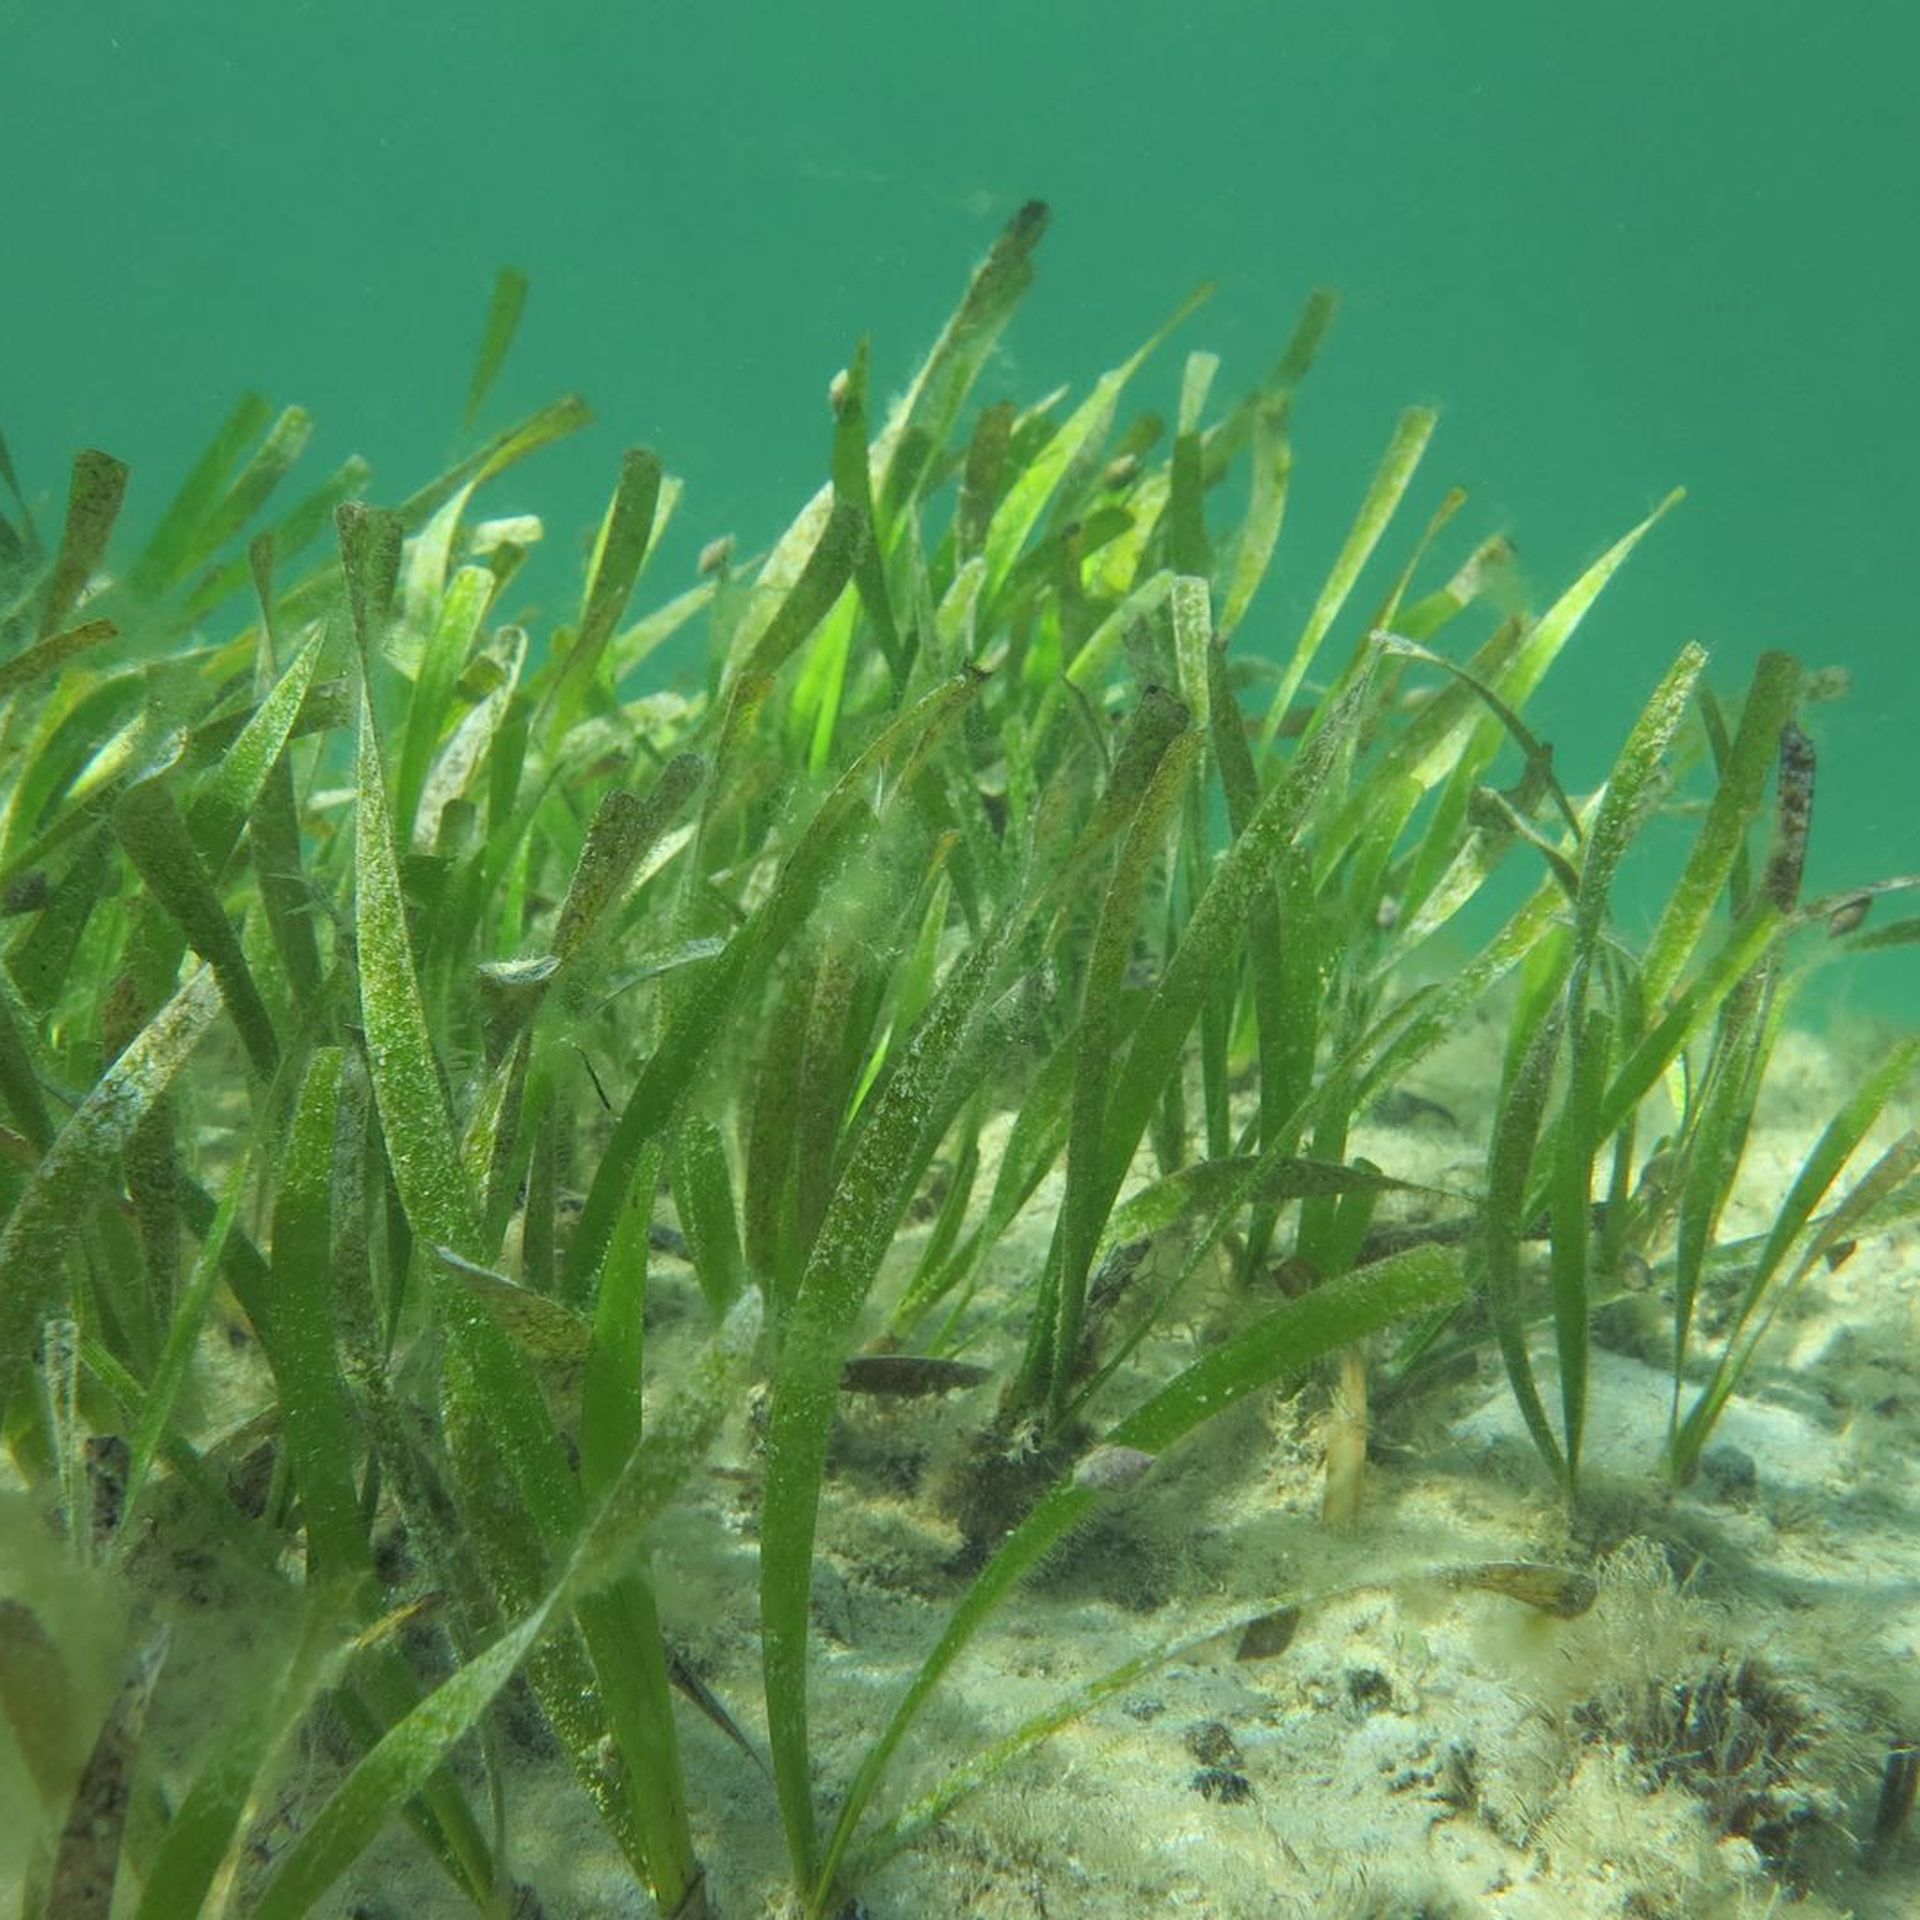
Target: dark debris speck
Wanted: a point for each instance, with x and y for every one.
(1369, 1689)
(1729, 1472)
(1211, 1742)
(1223, 1784)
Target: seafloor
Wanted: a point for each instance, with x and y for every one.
(1706, 1739)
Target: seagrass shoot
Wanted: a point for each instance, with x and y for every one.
(483, 1095)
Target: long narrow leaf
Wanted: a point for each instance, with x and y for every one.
(68, 1183)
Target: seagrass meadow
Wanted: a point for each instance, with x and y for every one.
(1022, 1247)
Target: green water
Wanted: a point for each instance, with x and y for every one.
(1623, 247)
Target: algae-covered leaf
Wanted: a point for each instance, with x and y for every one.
(861, 1222)
(1763, 1290)
(82, 1160)
(538, 1324)
(405, 1758)
(1091, 665)
(476, 743)
(1225, 440)
(1547, 637)
(503, 450)
(798, 609)
(1589, 1029)
(454, 625)
(861, 1219)
(703, 1196)
(1026, 498)
(1092, 1157)
(680, 1432)
(98, 486)
(220, 808)
(700, 1021)
(47, 656)
(1215, 928)
(36, 1699)
(1631, 788)
(371, 546)
(162, 1391)
(1765, 713)
(925, 417)
(88, 1860)
(503, 322)
(421, 1143)
(1268, 1635)
(168, 553)
(223, 517)
(397, 1767)
(290, 535)
(1192, 646)
(981, 478)
(203, 1827)
(27, 539)
(624, 830)
(853, 482)
(626, 532)
(154, 833)
(1266, 511)
(1388, 489)
(41, 957)
(300, 1341)
(21, 1092)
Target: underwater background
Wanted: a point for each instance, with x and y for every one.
(1623, 247)
(1443, 1432)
